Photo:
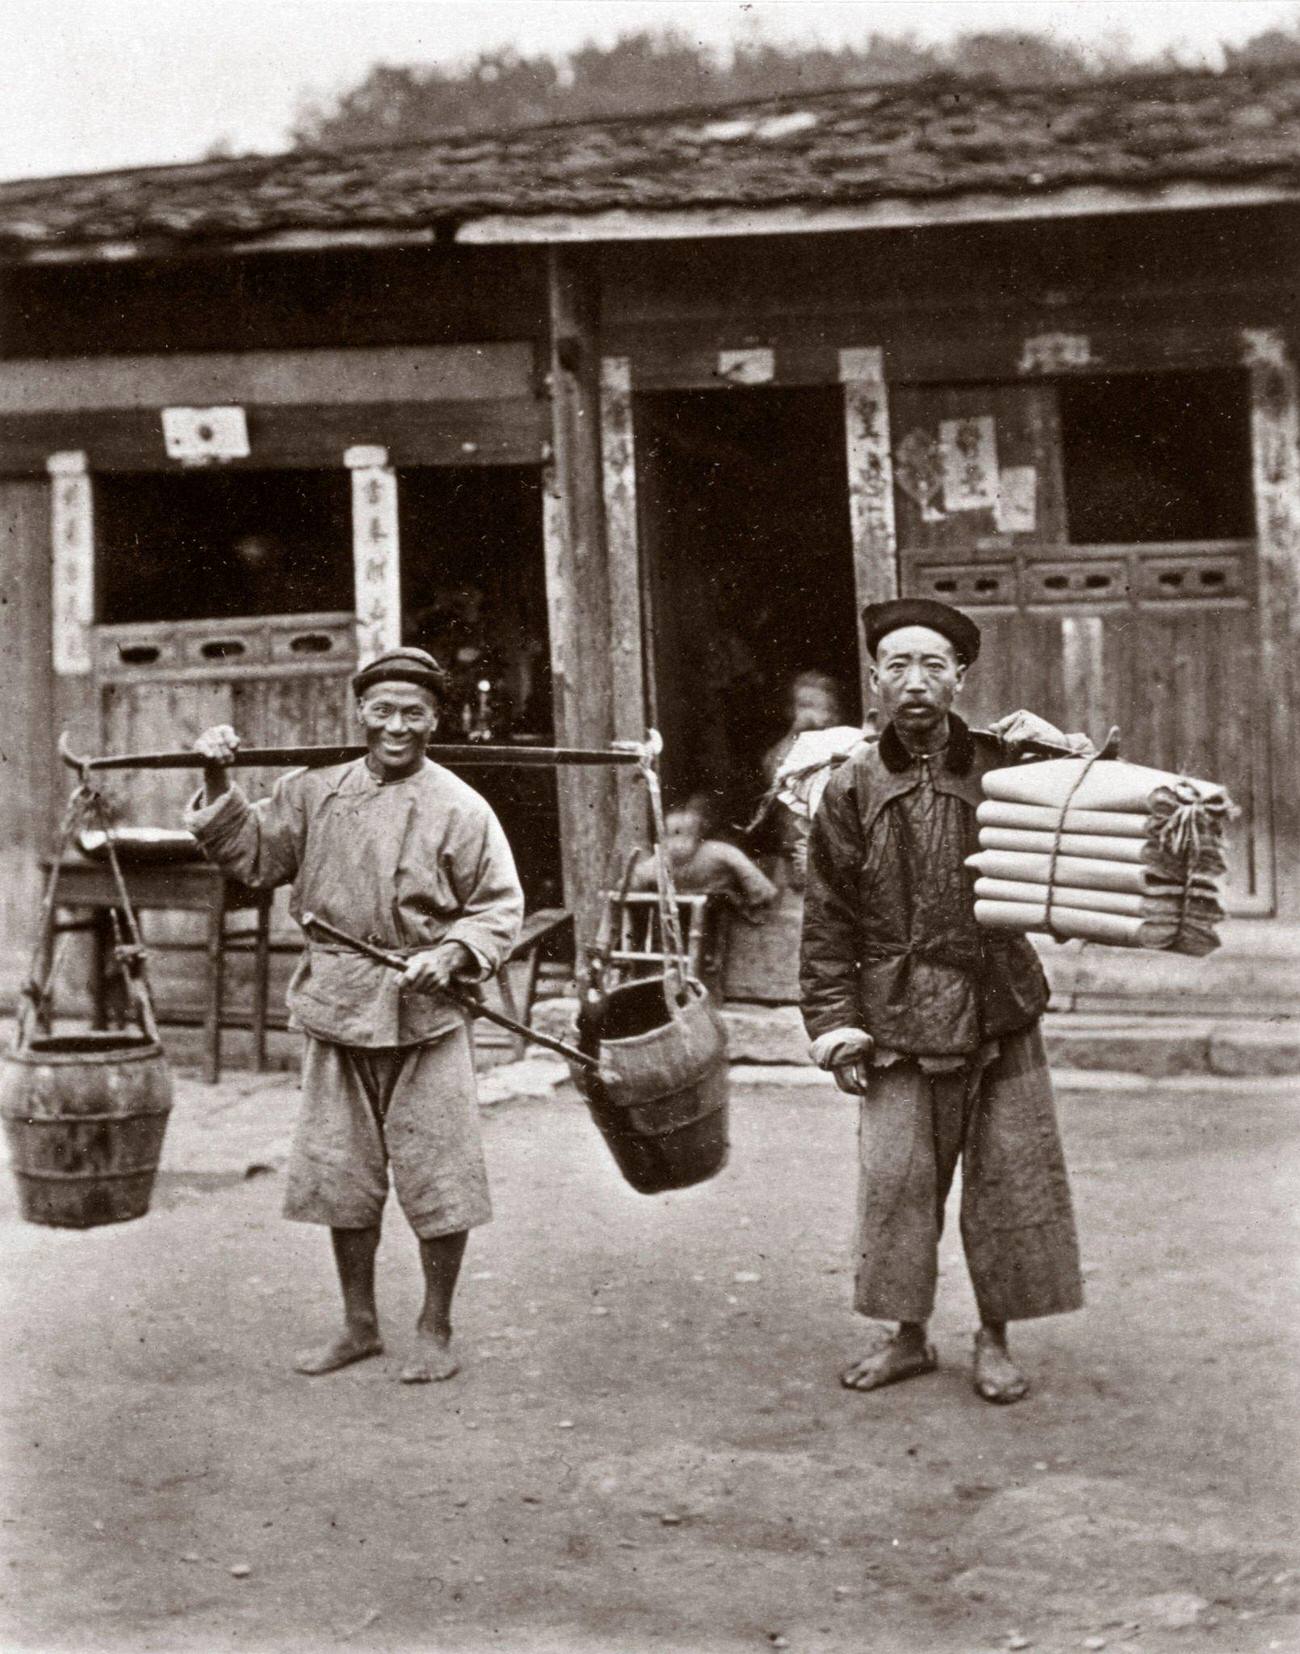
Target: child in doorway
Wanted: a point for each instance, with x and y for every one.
(703, 865)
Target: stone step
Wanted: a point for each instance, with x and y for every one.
(1149, 1045)
(772, 1036)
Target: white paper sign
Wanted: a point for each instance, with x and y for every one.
(1055, 353)
(862, 365)
(375, 554)
(196, 436)
(72, 564)
(746, 367)
(968, 454)
(1017, 509)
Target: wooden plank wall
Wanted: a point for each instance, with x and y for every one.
(955, 303)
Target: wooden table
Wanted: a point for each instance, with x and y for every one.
(184, 887)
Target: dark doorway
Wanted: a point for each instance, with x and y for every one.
(474, 595)
(745, 524)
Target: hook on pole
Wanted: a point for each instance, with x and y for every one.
(73, 760)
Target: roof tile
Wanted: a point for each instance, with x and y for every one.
(922, 139)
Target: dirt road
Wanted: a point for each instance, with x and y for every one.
(648, 1448)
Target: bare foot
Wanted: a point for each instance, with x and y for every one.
(997, 1378)
(892, 1362)
(339, 1352)
(432, 1362)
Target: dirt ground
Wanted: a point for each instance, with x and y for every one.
(648, 1448)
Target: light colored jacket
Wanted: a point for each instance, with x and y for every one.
(402, 864)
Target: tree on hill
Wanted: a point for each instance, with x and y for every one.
(648, 71)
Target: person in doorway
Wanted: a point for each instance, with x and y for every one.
(933, 1021)
(814, 704)
(700, 864)
(398, 851)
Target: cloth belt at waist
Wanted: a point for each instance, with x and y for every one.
(953, 948)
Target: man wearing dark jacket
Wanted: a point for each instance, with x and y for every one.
(930, 1019)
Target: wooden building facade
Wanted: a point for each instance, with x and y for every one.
(638, 436)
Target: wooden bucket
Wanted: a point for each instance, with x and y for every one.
(84, 1115)
(661, 1100)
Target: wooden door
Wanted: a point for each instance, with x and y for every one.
(1160, 639)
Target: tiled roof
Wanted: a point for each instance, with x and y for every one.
(924, 140)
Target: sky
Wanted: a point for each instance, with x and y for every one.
(88, 85)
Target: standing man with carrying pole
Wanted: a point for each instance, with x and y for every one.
(396, 850)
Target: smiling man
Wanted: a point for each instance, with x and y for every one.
(394, 849)
(930, 1019)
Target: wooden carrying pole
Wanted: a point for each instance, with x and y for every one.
(463, 996)
(468, 756)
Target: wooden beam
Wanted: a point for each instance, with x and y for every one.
(871, 487)
(274, 241)
(309, 436)
(682, 223)
(269, 378)
(618, 469)
(577, 586)
(1275, 442)
(888, 212)
(929, 344)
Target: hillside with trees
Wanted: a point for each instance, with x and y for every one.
(648, 71)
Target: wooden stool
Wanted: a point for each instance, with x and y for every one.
(638, 943)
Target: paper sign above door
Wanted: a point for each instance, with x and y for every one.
(198, 436)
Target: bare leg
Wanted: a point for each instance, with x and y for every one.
(997, 1378)
(354, 1257)
(905, 1355)
(433, 1361)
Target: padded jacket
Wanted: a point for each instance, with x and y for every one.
(890, 945)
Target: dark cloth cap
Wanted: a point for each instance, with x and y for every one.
(879, 619)
(401, 666)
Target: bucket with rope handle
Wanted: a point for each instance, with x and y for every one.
(661, 1098)
(85, 1113)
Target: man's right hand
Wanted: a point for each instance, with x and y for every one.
(846, 1053)
(217, 747)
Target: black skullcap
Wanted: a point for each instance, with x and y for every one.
(401, 666)
(879, 619)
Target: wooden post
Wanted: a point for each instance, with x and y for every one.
(618, 462)
(577, 585)
(1275, 445)
(871, 486)
(32, 778)
(376, 552)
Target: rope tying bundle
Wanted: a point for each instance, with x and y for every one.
(1056, 843)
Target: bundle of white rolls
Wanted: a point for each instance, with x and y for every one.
(1102, 850)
